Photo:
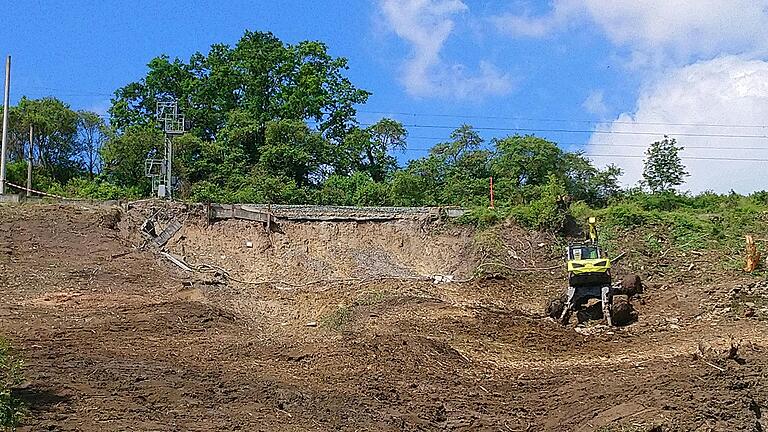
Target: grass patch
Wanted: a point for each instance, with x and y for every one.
(371, 298)
(12, 408)
(343, 314)
(337, 319)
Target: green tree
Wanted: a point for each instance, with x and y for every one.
(245, 87)
(455, 172)
(463, 139)
(124, 155)
(57, 148)
(291, 149)
(663, 169)
(588, 183)
(92, 134)
(370, 148)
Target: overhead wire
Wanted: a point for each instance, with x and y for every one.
(597, 131)
(554, 120)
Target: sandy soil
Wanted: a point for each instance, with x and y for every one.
(115, 339)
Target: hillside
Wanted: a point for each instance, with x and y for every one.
(339, 326)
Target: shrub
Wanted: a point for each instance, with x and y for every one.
(663, 201)
(626, 215)
(12, 408)
(482, 217)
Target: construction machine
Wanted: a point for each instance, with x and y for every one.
(589, 276)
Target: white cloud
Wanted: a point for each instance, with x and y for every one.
(527, 25)
(426, 26)
(684, 27)
(729, 90)
(702, 62)
(674, 29)
(595, 103)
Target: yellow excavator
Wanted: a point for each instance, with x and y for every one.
(589, 277)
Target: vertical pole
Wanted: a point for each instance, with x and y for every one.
(29, 163)
(169, 145)
(6, 102)
(491, 192)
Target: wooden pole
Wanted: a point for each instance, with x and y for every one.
(29, 162)
(6, 102)
(491, 192)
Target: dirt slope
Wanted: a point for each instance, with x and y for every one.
(116, 340)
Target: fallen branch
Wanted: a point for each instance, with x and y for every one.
(713, 365)
(618, 257)
(180, 263)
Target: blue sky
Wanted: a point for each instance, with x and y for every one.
(499, 65)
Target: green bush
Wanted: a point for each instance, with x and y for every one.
(12, 408)
(663, 201)
(359, 189)
(483, 217)
(760, 198)
(627, 215)
(95, 189)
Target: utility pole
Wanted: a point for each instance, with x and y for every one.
(161, 170)
(29, 162)
(6, 102)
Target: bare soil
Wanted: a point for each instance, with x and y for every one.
(116, 339)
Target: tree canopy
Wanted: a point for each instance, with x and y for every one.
(277, 123)
(663, 169)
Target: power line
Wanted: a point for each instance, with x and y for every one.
(482, 117)
(682, 157)
(553, 120)
(508, 129)
(643, 156)
(603, 144)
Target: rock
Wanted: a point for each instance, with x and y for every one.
(555, 307)
(622, 313)
(312, 324)
(631, 285)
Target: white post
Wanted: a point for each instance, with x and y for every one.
(29, 163)
(169, 172)
(6, 102)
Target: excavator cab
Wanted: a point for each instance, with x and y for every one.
(589, 274)
(587, 265)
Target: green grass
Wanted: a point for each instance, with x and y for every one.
(12, 408)
(343, 314)
(337, 319)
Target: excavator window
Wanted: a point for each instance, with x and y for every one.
(584, 252)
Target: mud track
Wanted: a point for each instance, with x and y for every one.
(114, 339)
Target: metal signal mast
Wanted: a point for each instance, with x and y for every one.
(160, 171)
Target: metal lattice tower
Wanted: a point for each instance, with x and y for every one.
(160, 171)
